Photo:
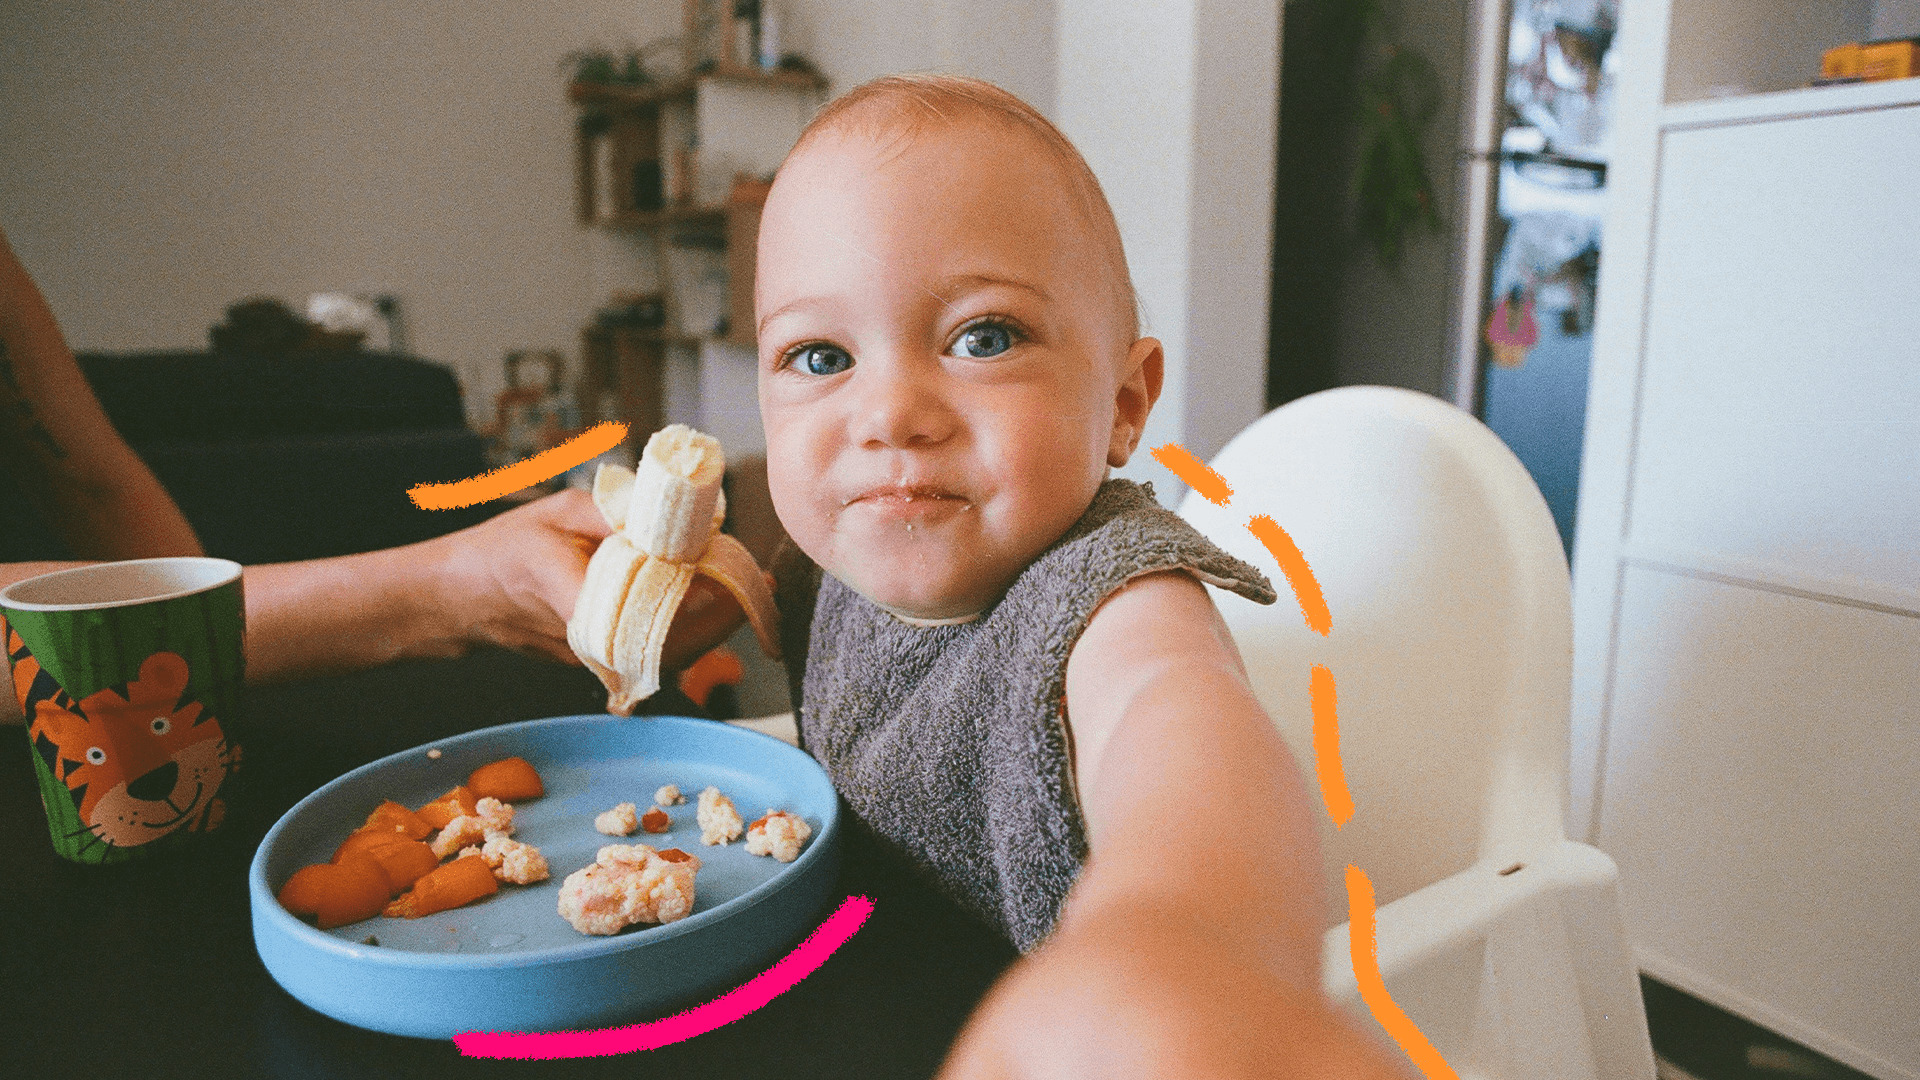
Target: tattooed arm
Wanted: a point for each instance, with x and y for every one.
(60, 448)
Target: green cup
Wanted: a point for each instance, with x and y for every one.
(129, 674)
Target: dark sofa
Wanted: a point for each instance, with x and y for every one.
(284, 457)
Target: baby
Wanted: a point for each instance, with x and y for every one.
(1005, 659)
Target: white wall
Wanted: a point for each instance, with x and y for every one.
(1728, 47)
(1007, 42)
(1174, 106)
(1895, 19)
(167, 158)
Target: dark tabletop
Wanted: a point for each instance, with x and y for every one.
(149, 970)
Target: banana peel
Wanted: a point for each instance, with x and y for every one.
(666, 517)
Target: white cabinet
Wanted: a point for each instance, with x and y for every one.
(1747, 565)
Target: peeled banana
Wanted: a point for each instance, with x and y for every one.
(666, 517)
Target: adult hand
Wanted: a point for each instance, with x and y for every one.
(512, 581)
(1124, 995)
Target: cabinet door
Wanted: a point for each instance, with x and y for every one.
(1779, 421)
(1761, 789)
(1762, 798)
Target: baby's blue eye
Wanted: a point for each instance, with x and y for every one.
(984, 339)
(822, 359)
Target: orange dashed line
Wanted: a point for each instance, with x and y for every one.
(1195, 473)
(1327, 764)
(1326, 748)
(1299, 575)
(507, 479)
(1373, 988)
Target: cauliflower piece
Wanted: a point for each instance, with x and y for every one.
(619, 821)
(628, 884)
(512, 861)
(720, 823)
(496, 815)
(779, 834)
(668, 795)
(489, 816)
(462, 831)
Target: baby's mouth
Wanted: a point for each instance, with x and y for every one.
(902, 496)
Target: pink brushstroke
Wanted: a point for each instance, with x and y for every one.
(725, 1009)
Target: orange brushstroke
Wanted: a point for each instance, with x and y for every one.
(1373, 988)
(1299, 575)
(1195, 473)
(507, 479)
(1326, 748)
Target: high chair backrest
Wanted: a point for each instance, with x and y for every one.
(1451, 639)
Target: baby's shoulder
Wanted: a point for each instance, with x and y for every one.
(1154, 619)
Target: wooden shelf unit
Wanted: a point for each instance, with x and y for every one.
(682, 89)
(684, 164)
(687, 213)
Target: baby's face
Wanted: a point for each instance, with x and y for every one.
(939, 361)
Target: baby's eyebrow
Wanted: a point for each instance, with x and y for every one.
(962, 283)
(945, 291)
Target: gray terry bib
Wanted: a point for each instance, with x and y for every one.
(949, 742)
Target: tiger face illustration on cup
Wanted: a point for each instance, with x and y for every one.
(140, 761)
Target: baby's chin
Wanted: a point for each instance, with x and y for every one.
(936, 591)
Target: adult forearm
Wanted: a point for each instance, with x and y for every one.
(58, 444)
(328, 616)
(120, 512)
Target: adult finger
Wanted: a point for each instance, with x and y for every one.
(571, 511)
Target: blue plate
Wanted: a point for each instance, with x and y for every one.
(510, 962)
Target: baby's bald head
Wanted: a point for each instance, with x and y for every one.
(949, 355)
(898, 109)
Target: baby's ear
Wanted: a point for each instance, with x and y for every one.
(1139, 388)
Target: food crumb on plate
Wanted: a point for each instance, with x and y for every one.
(668, 795)
(434, 754)
(655, 820)
(628, 884)
(619, 821)
(720, 823)
(490, 815)
(512, 861)
(779, 834)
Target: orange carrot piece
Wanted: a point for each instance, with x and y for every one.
(356, 889)
(509, 780)
(459, 882)
(719, 667)
(404, 863)
(367, 838)
(400, 819)
(447, 807)
(656, 821)
(304, 890)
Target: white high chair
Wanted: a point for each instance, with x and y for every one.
(1451, 651)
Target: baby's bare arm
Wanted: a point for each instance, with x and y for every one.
(1178, 765)
(1191, 945)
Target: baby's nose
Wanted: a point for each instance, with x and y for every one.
(899, 409)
